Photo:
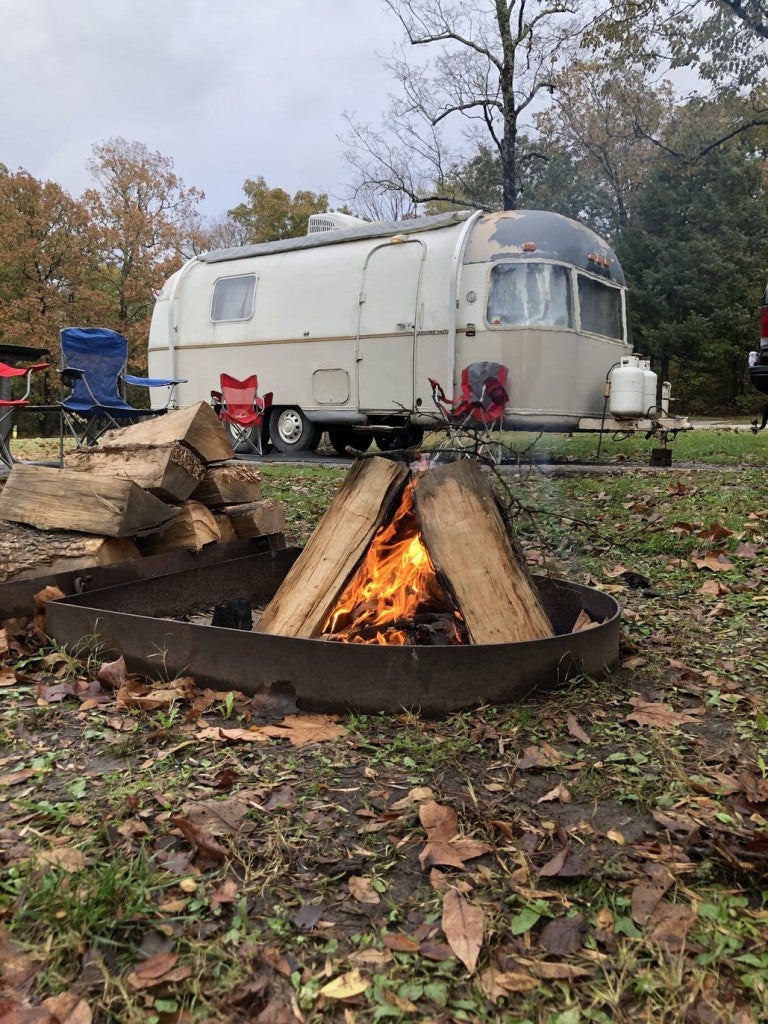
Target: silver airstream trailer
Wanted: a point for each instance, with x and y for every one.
(347, 325)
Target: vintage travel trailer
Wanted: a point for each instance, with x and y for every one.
(347, 325)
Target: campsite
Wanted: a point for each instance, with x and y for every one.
(596, 853)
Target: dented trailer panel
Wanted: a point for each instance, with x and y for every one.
(349, 325)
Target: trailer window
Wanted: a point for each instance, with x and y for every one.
(530, 293)
(600, 306)
(233, 298)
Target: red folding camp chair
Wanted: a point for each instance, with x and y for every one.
(241, 409)
(475, 418)
(10, 407)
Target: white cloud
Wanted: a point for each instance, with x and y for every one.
(229, 90)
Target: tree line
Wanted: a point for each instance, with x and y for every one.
(645, 119)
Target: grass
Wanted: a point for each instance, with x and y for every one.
(657, 914)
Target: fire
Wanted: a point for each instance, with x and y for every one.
(395, 584)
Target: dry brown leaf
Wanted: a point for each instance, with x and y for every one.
(400, 943)
(236, 734)
(350, 984)
(112, 673)
(499, 984)
(550, 971)
(575, 730)
(544, 756)
(647, 894)
(565, 864)
(7, 677)
(65, 857)
(205, 847)
(464, 926)
(302, 729)
(715, 561)
(564, 935)
(445, 845)
(669, 925)
(68, 1008)
(362, 889)
(560, 792)
(659, 716)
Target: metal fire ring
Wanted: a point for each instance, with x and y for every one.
(329, 676)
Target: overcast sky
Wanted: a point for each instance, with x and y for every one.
(229, 89)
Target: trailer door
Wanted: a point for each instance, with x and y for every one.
(389, 300)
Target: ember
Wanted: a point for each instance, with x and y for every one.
(395, 596)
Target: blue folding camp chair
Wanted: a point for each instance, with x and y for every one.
(92, 363)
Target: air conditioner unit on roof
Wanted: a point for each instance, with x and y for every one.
(332, 222)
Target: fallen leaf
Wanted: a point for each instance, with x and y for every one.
(575, 730)
(350, 984)
(205, 847)
(362, 889)
(549, 971)
(112, 673)
(658, 716)
(65, 857)
(307, 916)
(564, 935)
(560, 792)
(463, 925)
(715, 561)
(647, 893)
(565, 864)
(68, 1008)
(669, 925)
(400, 943)
(499, 984)
(444, 843)
(220, 817)
(545, 756)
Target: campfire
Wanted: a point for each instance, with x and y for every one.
(410, 559)
(395, 597)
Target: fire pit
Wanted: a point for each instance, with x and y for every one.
(139, 620)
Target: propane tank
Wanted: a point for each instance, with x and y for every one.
(650, 384)
(627, 382)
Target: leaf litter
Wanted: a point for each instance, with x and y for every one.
(554, 858)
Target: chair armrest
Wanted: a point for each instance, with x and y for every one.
(71, 373)
(151, 382)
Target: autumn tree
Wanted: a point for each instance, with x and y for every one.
(46, 259)
(143, 215)
(269, 214)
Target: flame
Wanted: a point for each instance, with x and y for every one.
(395, 582)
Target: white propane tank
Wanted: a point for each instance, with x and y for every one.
(650, 385)
(627, 395)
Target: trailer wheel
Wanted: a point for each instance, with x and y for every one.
(343, 437)
(408, 437)
(291, 431)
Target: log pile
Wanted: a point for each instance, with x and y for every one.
(164, 484)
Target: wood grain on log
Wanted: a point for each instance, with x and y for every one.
(469, 545)
(169, 471)
(64, 499)
(197, 426)
(26, 552)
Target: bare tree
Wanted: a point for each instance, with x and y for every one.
(487, 63)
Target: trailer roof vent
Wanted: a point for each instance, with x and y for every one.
(332, 222)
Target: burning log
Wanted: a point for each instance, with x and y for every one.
(439, 568)
(473, 554)
(307, 594)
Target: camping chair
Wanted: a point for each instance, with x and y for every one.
(93, 361)
(475, 418)
(242, 410)
(10, 407)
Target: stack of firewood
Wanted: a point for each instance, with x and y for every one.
(164, 484)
